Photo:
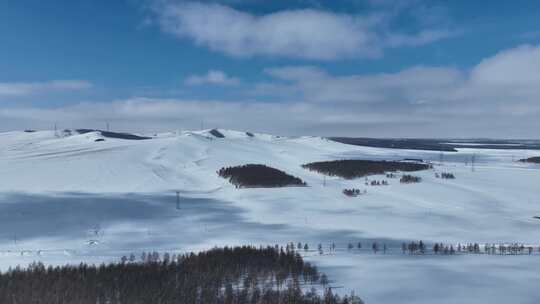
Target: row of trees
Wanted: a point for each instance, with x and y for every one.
(222, 275)
(445, 175)
(437, 248)
(255, 175)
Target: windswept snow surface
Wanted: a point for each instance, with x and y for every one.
(71, 199)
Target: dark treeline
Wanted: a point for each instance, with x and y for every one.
(252, 175)
(223, 275)
(402, 143)
(216, 133)
(110, 134)
(353, 168)
(535, 160)
(421, 248)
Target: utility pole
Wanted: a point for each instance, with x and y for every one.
(177, 200)
(473, 159)
(107, 126)
(55, 130)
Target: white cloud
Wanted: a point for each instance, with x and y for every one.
(307, 33)
(27, 88)
(509, 77)
(516, 67)
(213, 77)
(499, 97)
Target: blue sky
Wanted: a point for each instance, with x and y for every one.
(359, 68)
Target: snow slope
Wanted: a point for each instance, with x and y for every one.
(495, 202)
(69, 199)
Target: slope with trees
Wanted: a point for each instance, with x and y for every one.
(221, 275)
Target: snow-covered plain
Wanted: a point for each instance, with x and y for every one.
(71, 199)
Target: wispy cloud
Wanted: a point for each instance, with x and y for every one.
(213, 77)
(28, 88)
(306, 33)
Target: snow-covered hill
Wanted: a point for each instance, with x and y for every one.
(499, 195)
(92, 197)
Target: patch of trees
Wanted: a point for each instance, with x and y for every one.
(353, 168)
(445, 175)
(221, 275)
(409, 179)
(29, 131)
(535, 160)
(377, 183)
(353, 192)
(249, 134)
(216, 133)
(255, 175)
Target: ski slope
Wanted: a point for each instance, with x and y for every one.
(72, 198)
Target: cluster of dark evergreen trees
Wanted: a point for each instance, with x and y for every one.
(353, 168)
(377, 183)
(222, 275)
(353, 192)
(408, 179)
(253, 175)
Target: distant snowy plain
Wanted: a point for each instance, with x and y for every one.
(67, 199)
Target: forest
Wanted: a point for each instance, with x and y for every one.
(254, 175)
(353, 168)
(263, 275)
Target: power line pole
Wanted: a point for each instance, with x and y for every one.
(473, 159)
(177, 200)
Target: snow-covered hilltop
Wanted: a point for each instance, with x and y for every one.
(186, 161)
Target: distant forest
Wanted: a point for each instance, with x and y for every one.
(353, 168)
(253, 175)
(446, 145)
(238, 275)
(412, 144)
(535, 160)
